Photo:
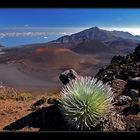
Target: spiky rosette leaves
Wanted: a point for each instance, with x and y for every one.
(85, 101)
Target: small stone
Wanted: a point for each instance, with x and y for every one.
(122, 100)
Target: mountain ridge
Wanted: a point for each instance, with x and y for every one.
(122, 41)
(95, 33)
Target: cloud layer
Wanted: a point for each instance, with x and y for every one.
(37, 31)
(45, 32)
(132, 30)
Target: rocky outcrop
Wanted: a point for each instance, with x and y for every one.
(118, 86)
(123, 75)
(68, 75)
(121, 67)
(114, 122)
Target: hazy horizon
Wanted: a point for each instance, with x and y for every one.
(29, 26)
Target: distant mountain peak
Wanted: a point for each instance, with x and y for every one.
(121, 40)
(95, 27)
(97, 34)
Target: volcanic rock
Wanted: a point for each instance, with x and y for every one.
(122, 100)
(132, 125)
(114, 122)
(118, 86)
(133, 109)
(133, 93)
(68, 75)
(134, 83)
(125, 87)
(122, 67)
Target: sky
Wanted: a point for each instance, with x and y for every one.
(27, 26)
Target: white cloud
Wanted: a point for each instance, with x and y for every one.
(45, 37)
(18, 34)
(64, 33)
(29, 31)
(132, 30)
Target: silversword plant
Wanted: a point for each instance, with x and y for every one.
(85, 101)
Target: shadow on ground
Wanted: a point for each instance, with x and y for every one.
(46, 119)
